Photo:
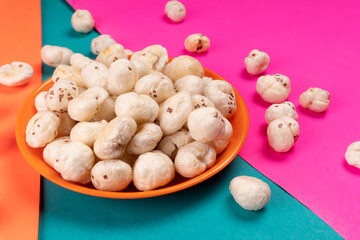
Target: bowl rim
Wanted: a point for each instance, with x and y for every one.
(133, 195)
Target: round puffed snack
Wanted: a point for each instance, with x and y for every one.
(140, 67)
(111, 54)
(197, 42)
(112, 140)
(171, 143)
(152, 170)
(275, 111)
(175, 10)
(69, 73)
(162, 56)
(53, 56)
(82, 21)
(174, 112)
(15, 74)
(352, 154)
(106, 110)
(222, 95)
(282, 133)
(182, 66)
(206, 125)
(87, 104)
(156, 85)
(95, 74)
(191, 84)
(111, 175)
(315, 99)
(200, 101)
(74, 162)
(79, 61)
(194, 158)
(66, 124)
(42, 128)
(273, 88)
(140, 107)
(256, 62)
(145, 140)
(87, 132)
(101, 42)
(222, 143)
(60, 94)
(250, 193)
(40, 104)
(51, 151)
(122, 77)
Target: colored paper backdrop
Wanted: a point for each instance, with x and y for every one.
(20, 25)
(315, 43)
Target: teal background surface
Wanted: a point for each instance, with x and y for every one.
(205, 211)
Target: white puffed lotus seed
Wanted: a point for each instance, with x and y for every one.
(275, 111)
(51, 151)
(162, 56)
(53, 56)
(40, 104)
(112, 140)
(147, 57)
(122, 77)
(175, 10)
(74, 162)
(66, 124)
(42, 128)
(69, 73)
(111, 175)
(194, 158)
(101, 42)
(191, 84)
(145, 140)
(222, 143)
(111, 54)
(15, 74)
(174, 112)
(156, 85)
(250, 193)
(87, 104)
(152, 170)
(352, 154)
(199, 101)
(87, 132)
(315, 99)
(222, 95)
(207, 80)
(82, 21)
(282, 133)
(206, 125)
(60, 94)
(256, 62)
(197, 42)
(79, 61)
(106, 110)
(140, 107)
(95, 74)
(140, 67)
(182, 66)
(273, 88)
(171, 143)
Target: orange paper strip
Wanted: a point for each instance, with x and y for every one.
(20, 26)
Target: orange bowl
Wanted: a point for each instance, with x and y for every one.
(240, 123)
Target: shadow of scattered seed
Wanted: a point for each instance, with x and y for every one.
(241, 214)
(308, 112)
(169, 21)
(353, 170)
(258, 100)
(245, 75)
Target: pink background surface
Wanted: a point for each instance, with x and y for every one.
(314, 43)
